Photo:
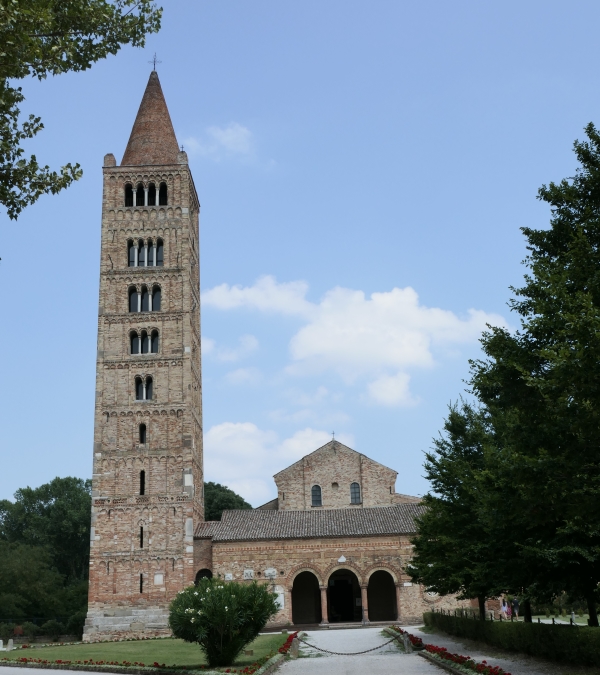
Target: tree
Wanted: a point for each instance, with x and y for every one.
(541, 386)
(453, 551)
(56, 517)
(218, 498)
(48, 37)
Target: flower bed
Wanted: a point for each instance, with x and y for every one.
(285, 647)
(465, 663)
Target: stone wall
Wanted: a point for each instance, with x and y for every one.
(334, 467)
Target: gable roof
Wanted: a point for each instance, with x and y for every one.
(152, 140)
(267, 524)
(333, 445)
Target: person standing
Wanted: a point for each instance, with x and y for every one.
(515, 606)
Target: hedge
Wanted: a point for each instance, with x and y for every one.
(578, 645)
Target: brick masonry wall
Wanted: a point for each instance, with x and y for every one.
(171, 458)
(334, 467)
(363, 556)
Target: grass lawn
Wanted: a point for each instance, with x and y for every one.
(169, 651)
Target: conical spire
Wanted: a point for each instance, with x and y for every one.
(152, 139)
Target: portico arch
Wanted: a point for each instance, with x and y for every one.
(381, 596)
(344, 603)
(306, 598)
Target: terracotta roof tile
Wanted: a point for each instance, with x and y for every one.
(264, 524)
(152, 139)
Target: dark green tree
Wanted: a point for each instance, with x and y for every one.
(49, 37)
(454, 552)
(56, 517)
(541, 386)
(218, 498)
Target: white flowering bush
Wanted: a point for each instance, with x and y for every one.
(222, 617)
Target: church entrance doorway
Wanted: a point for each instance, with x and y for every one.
(306, 599)
(381, 596)
(343, 596)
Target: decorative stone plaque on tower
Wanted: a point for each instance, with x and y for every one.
(148, 470)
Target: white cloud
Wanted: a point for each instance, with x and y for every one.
(246, 345)
(244, 457)
(233, 140)
(243, 376)
(380, 337)
(391, 390)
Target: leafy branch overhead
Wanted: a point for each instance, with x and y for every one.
(41, 37)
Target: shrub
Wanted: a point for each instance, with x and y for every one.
(76, 623)
(53, 629)
(30, 630)
(6, 631)
(578, 645)
(222, 617)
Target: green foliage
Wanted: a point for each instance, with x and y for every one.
(53, 629)
(42, 37)
(222, 617)
(55, 516)
(75, 624)
(453, 552)
(576, 645)
(6, 630)
(218, 498)
(540, 386)
(30, 630)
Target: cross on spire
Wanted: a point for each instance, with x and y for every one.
(154, 61)
(333, 435)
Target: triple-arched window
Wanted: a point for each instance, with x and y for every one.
(145, 253)
(146, 195)
(315, 494)
(147, 299)
(143, 388)
(143, 342)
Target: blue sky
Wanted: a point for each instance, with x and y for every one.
(363, 169)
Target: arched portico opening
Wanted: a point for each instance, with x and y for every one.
(381, 597)
(203, 574)
(343, 597)
(306, 599)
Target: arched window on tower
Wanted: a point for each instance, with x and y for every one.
(151, 253)
(148, 389)
(142, 260)
(142, 437)
(141, 546)
(162, 194)
(160, 252)
(315, 493)
(131, 254)
(143, 473)
(133, 299)
(128, 195)
(354, 493)
(154, 342)
(139, 389)
(151, 194)
(134, 339)
(156, 298)
(145, 299)
(139, 195)
(145, 340)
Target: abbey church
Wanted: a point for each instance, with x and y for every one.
(335, 543)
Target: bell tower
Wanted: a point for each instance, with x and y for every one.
(148, 470)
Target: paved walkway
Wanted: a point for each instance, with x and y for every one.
(385, 661)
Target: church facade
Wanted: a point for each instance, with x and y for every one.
(335, 543)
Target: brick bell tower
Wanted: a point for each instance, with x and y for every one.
(148, 469)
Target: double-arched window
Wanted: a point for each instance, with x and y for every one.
(147, 299)
(354, 493)
(315, 494)
(149, 253)
(143, 342)
(146, 195)
(143, 388)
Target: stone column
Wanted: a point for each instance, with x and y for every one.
(150, 309)
(144, 389)
(324, 614)
(139, 301)
(146, 254)
(398, 612)
(154, 254)
(145, 196)
(136, 252)
(365, 604)
(134, 190)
